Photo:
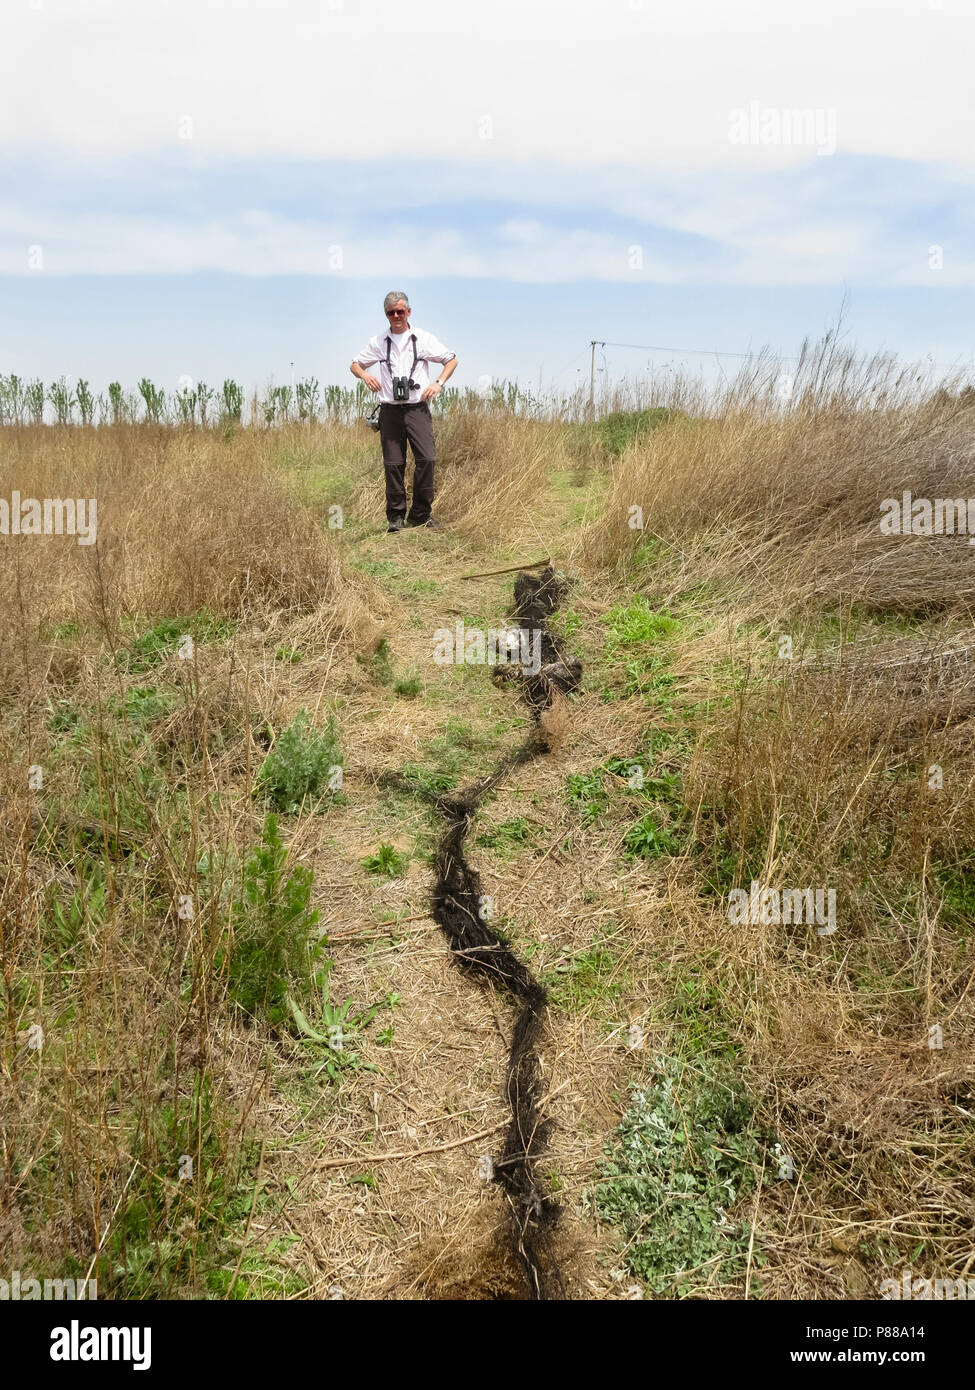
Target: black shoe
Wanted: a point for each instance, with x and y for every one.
(430, 522)
(396, 525)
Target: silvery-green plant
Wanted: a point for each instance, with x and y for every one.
(34, 401)
(62, 399)
(204, 395)
(300, 765)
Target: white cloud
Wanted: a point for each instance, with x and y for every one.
(586, 82)
(607, 125)
(255, 242)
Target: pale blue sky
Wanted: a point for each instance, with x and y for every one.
(221, 188)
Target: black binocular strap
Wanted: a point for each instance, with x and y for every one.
(389, 348)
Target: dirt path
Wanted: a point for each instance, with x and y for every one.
(384, 1177)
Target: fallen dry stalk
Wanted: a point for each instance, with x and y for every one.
(511, 569)
(361, 1159)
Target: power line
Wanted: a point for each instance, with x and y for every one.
(574, 360)
(714, 352)
(691, 352)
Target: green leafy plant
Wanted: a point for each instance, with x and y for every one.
(382, 663)
(204, 395)
(141, 704)
(274, 945)
(302, 765)
(154, 398)
(685, 1153)
(566, 623)
(409, 687)
(186, 405)
(62, 398)
(173, 1227)
(62, 926)
(163, 639)
(639, 640)
(306, 393)
(589, 978)
(338, 1032)
(623, 427)
(233, 400)
(86, 402)
(387, 861)
(509, 835)
(587, 794)
(116, 401)
(647, 838)
(291, 654)
(427, 782)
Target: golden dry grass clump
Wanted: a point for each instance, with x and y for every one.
(492, 468)
(826, 671)
(785, 504)
(185, 521)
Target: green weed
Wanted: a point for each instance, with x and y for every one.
(387, 861)
(409, 688)
(164, 639)
(584, 980)
(274, 945)
(302, 765)
(685, 1153)
(509, 835)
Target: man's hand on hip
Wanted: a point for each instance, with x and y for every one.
(431, 393)
(369, 381)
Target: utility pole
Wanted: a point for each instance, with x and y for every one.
(592, 377)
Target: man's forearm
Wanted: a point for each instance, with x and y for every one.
(447, 372)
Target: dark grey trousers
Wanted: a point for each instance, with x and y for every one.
(397, 424)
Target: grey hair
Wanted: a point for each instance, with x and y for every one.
(394, 297)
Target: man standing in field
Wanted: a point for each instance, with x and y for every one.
(405, 392)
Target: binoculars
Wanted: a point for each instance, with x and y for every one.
(402, 386)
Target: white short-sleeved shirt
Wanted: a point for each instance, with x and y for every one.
(428, 349)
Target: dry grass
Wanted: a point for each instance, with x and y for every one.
(842, 761)
(146, 763)
(784, 505)
(491, 468)
(809, 770)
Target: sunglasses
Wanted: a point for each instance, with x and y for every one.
(396, 313)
